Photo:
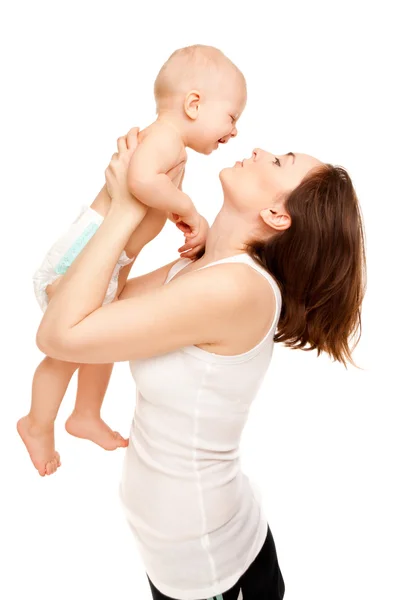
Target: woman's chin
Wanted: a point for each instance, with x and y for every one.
(229, 180)
(225, 173)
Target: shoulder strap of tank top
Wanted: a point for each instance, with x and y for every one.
(178, 266)
(248, 260)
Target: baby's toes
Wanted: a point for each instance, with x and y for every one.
(121, 442)
(51, 467)
(55, 464)
(42, 470)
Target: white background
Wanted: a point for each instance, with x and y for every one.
(321, 442)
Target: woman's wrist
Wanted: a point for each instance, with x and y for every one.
(128, 209)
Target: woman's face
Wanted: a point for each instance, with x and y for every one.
(264, 179)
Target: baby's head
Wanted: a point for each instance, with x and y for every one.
(205, 92)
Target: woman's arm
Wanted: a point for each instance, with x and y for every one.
(83, 287)
(77, 328)
(146, 231)
(144, 283)
(90, 270)
(179, 314)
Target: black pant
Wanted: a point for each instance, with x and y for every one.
(262, 581)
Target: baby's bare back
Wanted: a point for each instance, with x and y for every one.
(152, 134)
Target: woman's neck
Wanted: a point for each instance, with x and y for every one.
(228, 234)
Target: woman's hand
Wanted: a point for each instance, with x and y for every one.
(117, 171)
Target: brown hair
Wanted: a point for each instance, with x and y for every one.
(319, 265)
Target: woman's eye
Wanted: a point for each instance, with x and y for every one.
(233, 120)
(277, 162)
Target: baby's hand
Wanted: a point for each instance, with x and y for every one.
(194, 244)
(189, 224)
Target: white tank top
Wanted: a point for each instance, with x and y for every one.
(196, 517)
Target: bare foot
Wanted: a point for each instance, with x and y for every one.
(93, 428)
(40, 445)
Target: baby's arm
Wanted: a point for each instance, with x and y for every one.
(148, 181)
(178, 182)
(181, 179)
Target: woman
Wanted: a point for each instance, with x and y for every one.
(199, 335)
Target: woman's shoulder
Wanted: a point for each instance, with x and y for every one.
(232, 304)
(235, 284)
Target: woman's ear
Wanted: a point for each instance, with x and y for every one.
(276, 219)
(192, 104)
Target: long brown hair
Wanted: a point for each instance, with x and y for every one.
(319, 265)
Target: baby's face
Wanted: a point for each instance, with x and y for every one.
(218, 117)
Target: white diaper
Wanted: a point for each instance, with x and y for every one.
(63, 253)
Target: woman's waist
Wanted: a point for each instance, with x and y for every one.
(193, 501)
(181, 430)
(192, 466)
(183, 514)
(184, 457)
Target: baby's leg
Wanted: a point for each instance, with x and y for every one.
(36, 429)
(85, 422)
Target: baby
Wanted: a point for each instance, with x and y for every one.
(200, 95)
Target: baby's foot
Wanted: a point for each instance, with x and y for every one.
(39, 442)
(93, 428)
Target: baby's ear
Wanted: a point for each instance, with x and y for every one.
(192, 104)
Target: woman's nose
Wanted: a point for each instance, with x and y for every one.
(259, 153)
(234, 132)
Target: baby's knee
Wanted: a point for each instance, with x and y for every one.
(60, 366)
